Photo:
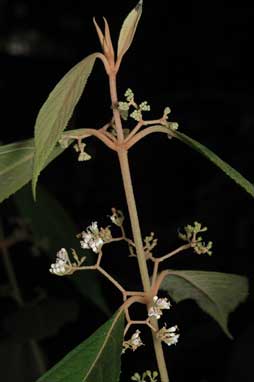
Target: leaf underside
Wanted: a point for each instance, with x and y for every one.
(16, 165)
(56, 112)
(218, 294)
(97, 359)
(225, 167)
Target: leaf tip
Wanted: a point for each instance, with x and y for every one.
(139, 5)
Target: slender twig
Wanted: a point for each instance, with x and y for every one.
(170, 254)
(85, 268)
(138, 322)
(158, 260)
(135, 293)
(147, 131)
(86, 133)
(159, 280)
(122, 238)
(180, 249)
(134, 130)
(141, 123)
(112, 280)
(155, 271)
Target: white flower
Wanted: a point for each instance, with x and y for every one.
(117, 217)
(154, 312)
(158, 305)
(94, 228)
(62, 265)
(161, 303)
(133, 343)
(91, 238)
(169, 336)
(136, 340)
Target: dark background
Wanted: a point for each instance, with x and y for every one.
(195, 58)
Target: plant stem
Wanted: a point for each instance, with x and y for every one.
(125, 169)
(130, 198)
(114, 100)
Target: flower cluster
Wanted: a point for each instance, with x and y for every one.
(137, 113)
(133, 343)
(80, 148)
(94, 238)
(197, 243)
(147, 374)
(158, 305)
(173, 125)
(169, 336)
(63, 266)
(124, 106)
(149, 244)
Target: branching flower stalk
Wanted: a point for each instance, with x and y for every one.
(119, 139)
(218, 294)
(114, 136)
(94, 238)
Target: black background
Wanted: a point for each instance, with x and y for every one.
(195, 58)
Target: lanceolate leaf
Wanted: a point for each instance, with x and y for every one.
(128, 30)
(56, 112)
(53, 229)
(16, 165)
(95, 360)
(216, 293)
(230, 171)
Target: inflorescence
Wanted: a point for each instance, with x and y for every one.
(93, 238)
(197, 243)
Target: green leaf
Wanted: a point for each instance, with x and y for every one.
(56, 112)
(225, 167)
(218, 294)
(53, 228)
(98, 359)
(16, 165)
(128, 30)
(16, 162)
